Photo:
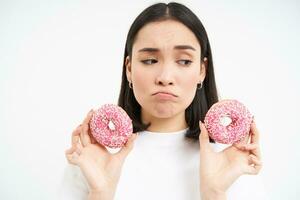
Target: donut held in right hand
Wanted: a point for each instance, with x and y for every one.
(101, 168)
(111, 126)
(228, 121)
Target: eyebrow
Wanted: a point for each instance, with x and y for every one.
(178, 47)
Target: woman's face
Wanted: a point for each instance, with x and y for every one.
(165, 69)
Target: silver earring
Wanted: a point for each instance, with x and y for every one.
(199, 87)
(130, 84)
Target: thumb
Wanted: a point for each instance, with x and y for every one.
(204, 137)
(126, 149)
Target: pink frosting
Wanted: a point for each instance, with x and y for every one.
(237, 117)
(111, 126)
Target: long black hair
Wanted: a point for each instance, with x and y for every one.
(204, 97)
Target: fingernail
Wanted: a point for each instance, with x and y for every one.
(201, 124)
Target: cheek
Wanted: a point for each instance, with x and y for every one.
(190, 82)
(141, 83)
(189, 87)
(140, 80)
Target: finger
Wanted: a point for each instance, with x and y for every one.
(70, 151)
(252, 148)
(242, 142)
(254, 133)
(252, 170)
(126, 149)
(72, 155)
(246, 147)
(84, 136)
(204, 138)
(254, 166)
(246, 140)
(75, 148)
(93, 140)
(254, 160)
(78, 148)
(73, 158)
(75, 135)
(255, 140)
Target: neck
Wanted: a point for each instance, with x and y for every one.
(172, 124)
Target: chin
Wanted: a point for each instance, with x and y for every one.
(164, 111)
(164, 115)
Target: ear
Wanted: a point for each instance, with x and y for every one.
(128, 68)
(203, 67)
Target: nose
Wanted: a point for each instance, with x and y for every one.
(165, 76)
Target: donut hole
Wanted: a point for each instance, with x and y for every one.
(225, 120)
(111, 125)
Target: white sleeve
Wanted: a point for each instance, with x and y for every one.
(73, 185)
(248, 187)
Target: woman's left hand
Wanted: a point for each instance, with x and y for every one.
(218, 170)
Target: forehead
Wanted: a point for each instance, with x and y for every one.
(165, 35)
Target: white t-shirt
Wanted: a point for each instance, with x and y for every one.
(161, 166)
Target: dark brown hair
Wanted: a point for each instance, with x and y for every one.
(204, 97)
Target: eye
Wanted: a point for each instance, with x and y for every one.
(185, 62)
(149, 61)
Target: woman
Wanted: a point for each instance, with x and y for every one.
(168, 85)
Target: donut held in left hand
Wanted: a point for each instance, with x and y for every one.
(228, 121)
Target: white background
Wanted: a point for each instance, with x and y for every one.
(59, 59)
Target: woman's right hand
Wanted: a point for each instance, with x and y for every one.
(101, 168)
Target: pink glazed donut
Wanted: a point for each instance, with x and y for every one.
(228, 121)
(111, 126)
